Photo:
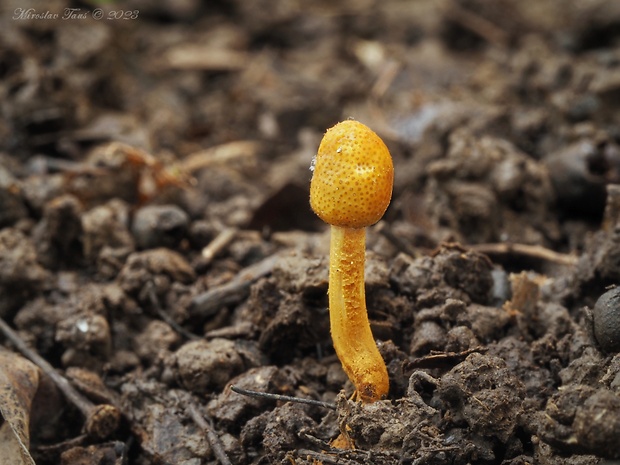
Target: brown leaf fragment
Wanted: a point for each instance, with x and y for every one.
(19, 379)
(525, 293)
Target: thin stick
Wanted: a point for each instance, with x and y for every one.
(208, 303)
(164, 316)
(212, 437)
(533, 251)
(101, 420)
(322, 457)
(218, 244)
(280, 397)
(476, 23)
(244, 329)
(400, 244)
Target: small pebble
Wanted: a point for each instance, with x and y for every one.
(208, 365)
(606, 320)
(159, 226)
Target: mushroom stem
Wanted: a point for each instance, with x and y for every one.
(350, 328)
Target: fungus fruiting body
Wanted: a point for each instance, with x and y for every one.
(351, 188)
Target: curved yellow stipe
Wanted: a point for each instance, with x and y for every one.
(350, 328)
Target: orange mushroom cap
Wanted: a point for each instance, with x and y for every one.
(351, 186)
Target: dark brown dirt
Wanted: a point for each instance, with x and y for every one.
(157, 245)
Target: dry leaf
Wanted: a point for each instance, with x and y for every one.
(19, 380)
(525, 293)
(523, 307)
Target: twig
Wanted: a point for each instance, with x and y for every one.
(442, 359)
(316, 442)
(280, 397)
(45, 164)
(101, 420)
(321, 457)
(208, 303)
(401, 244)
(218, 244)
(476, 23)
(164, 316)
(535, 251)
(388, 73)
(349, 456)
(243, 329)
(221, 155)
(212, 437)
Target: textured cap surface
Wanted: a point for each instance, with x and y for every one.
(351, 186)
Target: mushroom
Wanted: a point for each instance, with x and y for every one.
(351, 188)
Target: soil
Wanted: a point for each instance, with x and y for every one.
(157, 245)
